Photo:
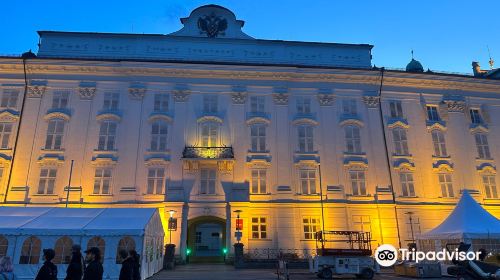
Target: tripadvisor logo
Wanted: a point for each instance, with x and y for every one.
(387, 255)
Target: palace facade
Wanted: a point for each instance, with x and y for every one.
(208, 120)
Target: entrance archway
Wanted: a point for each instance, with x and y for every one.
(206, 239)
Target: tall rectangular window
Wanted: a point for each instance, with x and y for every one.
(9, 98)
(208, 180)
(439, 143)
(490, 186)
(349, 107)
(258, 183)
(400, 141)
(209, 134)
(156, 180)
(210, 103)
(5, 132)
(55, 133)
(60, 100)
(475, 116)
(407, 184)
(303, 105)
(161, 102)
(47, 181)
(107, 136)
(257, 104)
(159, 133)
(396, 109)
(358, 182)
(111, 101)
(258, 137)
(353, 139)
(432, 113)
(446, 185)
(102, 181)
(259, 227)
(483, 149)
(306, 141)
(311, 225)
(307, 179)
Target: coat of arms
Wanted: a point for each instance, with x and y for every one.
(212, 25)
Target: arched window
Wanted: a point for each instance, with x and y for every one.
(30, 252)
(209, 135)
(4, 244)
(127, 244)
(353, 139)
(159, 131)
(99, 243)
(63, 250)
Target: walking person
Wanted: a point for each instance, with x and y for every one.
(94, 269)
(137, 264)
(7, 269)
(76, 265)
(127, 269)
(48, 271)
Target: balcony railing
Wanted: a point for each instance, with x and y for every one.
(208, 153)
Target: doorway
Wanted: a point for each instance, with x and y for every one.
(206, 239)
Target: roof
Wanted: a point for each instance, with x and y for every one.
(467, 220)
(74, 221)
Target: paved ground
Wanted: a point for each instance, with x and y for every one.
(227, 272)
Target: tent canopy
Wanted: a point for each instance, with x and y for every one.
(74, 221)
(467, 221)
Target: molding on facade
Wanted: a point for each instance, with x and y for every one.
(442, 166)
(112, 116)
(209, 119)
(280, 98)
(137, 91)
(160, 117)
(355, 122)
(37, 88)
(87, 90)
(486, 168)
(480, 128)
(57, 115)
(371, 101)
(398, 124)
(258, 120)
(305, 121)
(325, 99)
(456, 106)
(181, 95)
(8, 115)
(239, 95)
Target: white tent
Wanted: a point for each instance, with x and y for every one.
(24, 231)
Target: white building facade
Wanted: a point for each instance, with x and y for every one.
(208, 120)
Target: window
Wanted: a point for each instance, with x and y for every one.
(258, 183)
(439, 143)
(407, 184)
(483, 149)
(306, 139)
(102, 181)
(111, 101)
(400, 141)
(127, 244)
(63, 250)
(490, 186)
(30, 252)
(353, 139)
(60, 100)
(156, 180)
(198, 237)
(349, 107)
(311, 226)
(475, 116)
(358, 182)
(307, 180)
(5, 132)
(257, 104)
(107, 136)
(446, 185)
(303, 105)
(396, 109)
(259, 228)
(209, 134)
(413, 227)
(99, 243)
(210, 104)
(159, 132)
(361, 223)
(47, 181)
(4, 245)
(432, 113)
(208, 178)
(9, 98)
(55, 133)
(258, 137)
(161, 102)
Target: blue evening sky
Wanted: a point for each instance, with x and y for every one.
(445, 35)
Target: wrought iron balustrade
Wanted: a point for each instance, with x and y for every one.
(208, 153)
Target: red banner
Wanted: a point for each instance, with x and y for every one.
(239, 224)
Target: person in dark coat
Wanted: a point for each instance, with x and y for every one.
(48, 271)
(127, 270)
(94, 269)
(137, 264)
(76, 265)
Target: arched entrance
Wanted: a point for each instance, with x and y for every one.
(206, 239)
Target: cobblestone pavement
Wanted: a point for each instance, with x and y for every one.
(227, 272)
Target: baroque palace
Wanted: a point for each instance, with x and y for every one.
(208, 120)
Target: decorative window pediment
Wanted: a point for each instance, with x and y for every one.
(486, 168)
(258, 163)
(351, 121)
(307, 164)
(9, 115)
(442, 166)
(109, 116)
(305, 121)
(209, 119)
(51, 160)
(58, 114)
(439, 125)
(258, 120)
(157, 161)
(394, 123)
(404, 165)
(160, 117)
(478, 128)
(107, 160)
(353, 163)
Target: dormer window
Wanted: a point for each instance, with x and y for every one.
(432, 113)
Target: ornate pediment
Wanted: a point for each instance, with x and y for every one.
(9, 115)
(37, 88)
(181, 95)
(136, 91)
(371, 101)
(87, 90)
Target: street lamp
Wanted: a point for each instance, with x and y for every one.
(171, 223)
(239, 223)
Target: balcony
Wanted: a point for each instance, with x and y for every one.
(208, 153)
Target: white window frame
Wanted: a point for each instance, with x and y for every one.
(257, 104)
(353, 139)
(156, 180)
(103, 177)
(55, 134)
(111, 101)
(445, 181)
(396, 109)
(159, 136)
(107, 135)
(305, 138)
(357, 178)
(5, 134)
(310, 225)
(303, 105)
(208, 181)
(47, 181)
(9, 98)
(161, 102)
(489, 185)
(210, 103)
(209, 134)
(258, 137)
(439, 143)
(482, 146)
(407, 184)
(60, 99)
(308, 182)
(400, 141)
(259, 227)
(258, 183)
